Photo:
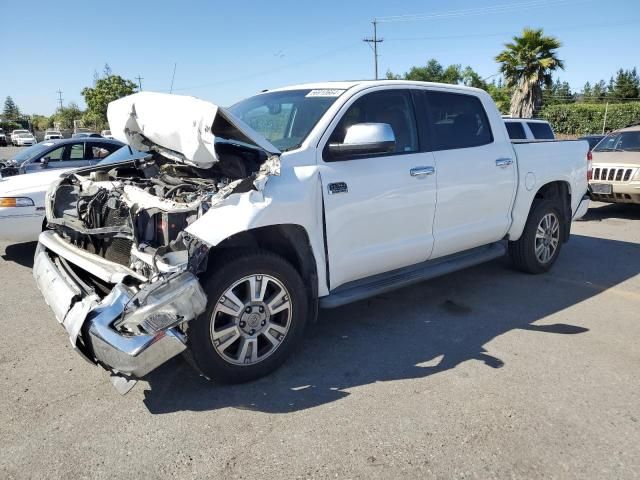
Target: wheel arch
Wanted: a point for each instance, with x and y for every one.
(290, 241)
(557, 189)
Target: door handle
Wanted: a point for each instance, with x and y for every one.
(504, 162)
(422, 171)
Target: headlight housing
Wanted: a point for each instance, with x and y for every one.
(16, 202)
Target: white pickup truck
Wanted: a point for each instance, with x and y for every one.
(241, 222)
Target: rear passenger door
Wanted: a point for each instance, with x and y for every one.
(476, 171)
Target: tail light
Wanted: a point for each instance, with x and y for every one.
(589, 165)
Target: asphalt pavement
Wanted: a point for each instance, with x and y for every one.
(485, 373)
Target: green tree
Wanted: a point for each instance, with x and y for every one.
(501, 95)
(434, 71)
(527, 63)
(11, 110)
(599, 92)
(40, 122)
(625, 85)
(66, 115)
(557, 93)
(105, 89)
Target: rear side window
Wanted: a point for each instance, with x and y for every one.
(541, 131)
(516, 131)
(457, 121)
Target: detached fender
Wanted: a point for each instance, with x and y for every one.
(292, 198)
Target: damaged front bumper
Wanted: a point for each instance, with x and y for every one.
(90, 320)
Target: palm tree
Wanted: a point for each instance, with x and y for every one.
(527, 63)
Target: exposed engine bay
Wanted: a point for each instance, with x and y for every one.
(134, 213)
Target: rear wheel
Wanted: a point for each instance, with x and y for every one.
(255, 317)
(539, 246)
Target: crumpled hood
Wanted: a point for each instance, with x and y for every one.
(179, 127)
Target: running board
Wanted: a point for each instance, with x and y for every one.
(386, 282)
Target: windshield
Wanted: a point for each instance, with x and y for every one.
(24, 135)
(285, 118)
(122, 154)
(30, 152)
(620, 142)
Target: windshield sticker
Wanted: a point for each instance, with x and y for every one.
(325, 92)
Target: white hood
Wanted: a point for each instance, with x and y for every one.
(29, 182)
(179, 127)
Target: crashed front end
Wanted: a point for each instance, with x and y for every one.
(116, 264)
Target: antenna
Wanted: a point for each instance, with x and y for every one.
(374, 41)
(173, 77)
(59, 92)
(139, 78)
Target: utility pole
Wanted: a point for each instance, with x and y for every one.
(374, 41)
(139, 78)
(59, 92)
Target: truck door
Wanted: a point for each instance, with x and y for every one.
(378, 207)
(476, 171)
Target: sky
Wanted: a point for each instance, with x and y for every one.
(225, 51)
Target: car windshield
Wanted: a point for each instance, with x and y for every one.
(122, 154)
(620, 142)
(285, 118)
(30, 153)
(24, 135)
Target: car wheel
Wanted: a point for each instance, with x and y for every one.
(256, 315)
(539, 246)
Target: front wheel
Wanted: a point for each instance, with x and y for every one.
(256, 315)
(539, 246)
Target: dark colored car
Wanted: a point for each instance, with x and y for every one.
(86, 135)
(593, 140)
(66, 153)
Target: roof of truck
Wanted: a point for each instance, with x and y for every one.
(347, 84)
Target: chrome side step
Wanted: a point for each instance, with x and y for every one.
(386, 282)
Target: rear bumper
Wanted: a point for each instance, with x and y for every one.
(89, 320)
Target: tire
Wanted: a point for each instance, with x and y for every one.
(526, 252)
(244, 347)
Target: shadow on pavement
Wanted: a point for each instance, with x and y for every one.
(411, 333)
(20, 253)
(619, 211)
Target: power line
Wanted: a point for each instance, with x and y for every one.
(502, 34)
(502, 8)
(268, 71)
(373, 43)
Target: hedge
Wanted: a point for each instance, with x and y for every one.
(585, 118)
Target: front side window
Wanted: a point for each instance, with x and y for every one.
(541, 131)
(285, 118)
(457, 121)
(393, 107)
(56, 154)
(516, 131)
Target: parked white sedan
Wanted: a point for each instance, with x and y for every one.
(22, 197)
(25, 140)
(22, 205)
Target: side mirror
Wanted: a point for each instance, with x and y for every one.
(365, 139)
(44, 161)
